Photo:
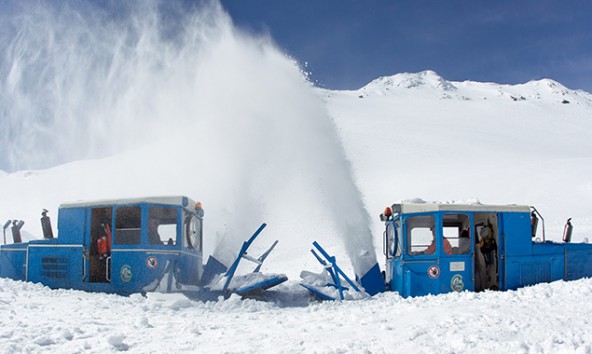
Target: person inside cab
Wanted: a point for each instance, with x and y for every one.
(153, 236)
(464, 242)
(432, 247)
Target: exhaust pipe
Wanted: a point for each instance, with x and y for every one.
(46, 225)
(567, 231)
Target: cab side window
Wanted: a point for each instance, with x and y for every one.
(162, 225)
(457, 233)
(421, 237)
(128, 225)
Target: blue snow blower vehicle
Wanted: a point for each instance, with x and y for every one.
(435, 248)
(130, 246)
(155, 244)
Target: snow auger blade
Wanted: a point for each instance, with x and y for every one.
(247, 284)
(328, 285)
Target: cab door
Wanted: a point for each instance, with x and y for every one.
(420, 270)
(97, 244)
(127, 256)
(456, 261)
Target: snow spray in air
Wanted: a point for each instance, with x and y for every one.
(221, 115)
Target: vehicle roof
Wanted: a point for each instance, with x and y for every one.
(408, 208)
(167, 200)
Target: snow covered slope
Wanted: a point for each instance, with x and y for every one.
(418, 135)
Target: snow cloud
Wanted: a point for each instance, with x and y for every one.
(191, 106)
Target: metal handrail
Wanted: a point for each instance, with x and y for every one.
(108, 268)
(84, 259)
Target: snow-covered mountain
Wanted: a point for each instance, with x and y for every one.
(430, 83)
(419, 135)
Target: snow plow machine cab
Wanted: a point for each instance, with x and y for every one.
(131, 246)
(434, 248)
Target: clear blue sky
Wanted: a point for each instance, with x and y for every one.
(348, 43)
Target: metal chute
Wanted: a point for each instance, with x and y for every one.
(243, 285)
(334, 284)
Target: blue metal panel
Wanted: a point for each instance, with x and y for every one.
(501, 252)
(516, 229)
(554, 255)
(534, 273)
(530, 270)
(578, 261)
(57, 266)
(212, 269)
(396, 282)
(512, 280)
(417, 282)
(189, 266)
(12, 261)
(71, 225)
(134, 271)
(547, 248)
(372, 281)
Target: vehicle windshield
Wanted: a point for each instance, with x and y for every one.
(393, 241)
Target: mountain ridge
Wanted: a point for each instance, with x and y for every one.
(431, 84)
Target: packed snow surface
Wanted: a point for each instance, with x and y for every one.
(95, 107)
(549, 318)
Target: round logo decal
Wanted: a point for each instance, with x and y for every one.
(433, 272)
(456, 283)
(125, 273)
(152, 262)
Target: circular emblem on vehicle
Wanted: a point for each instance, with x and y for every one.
(125, 273)
(456, 283)
(152, 262)
(433, 272)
